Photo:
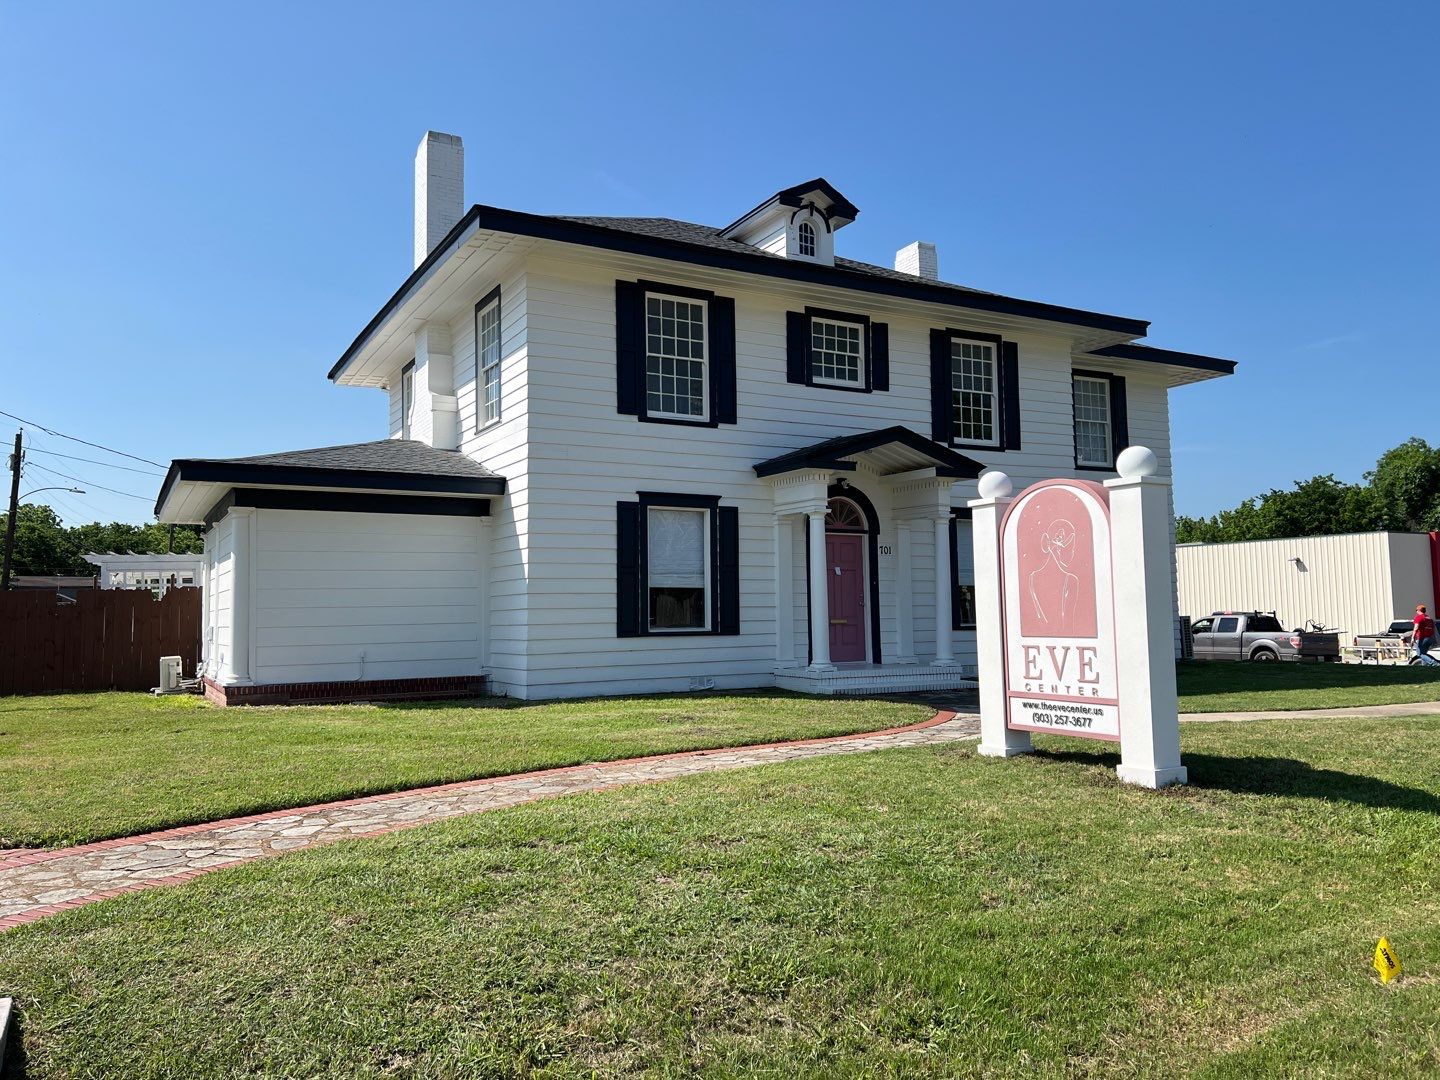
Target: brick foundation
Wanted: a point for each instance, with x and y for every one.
(322, 693)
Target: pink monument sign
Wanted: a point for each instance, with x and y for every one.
(1057, 593)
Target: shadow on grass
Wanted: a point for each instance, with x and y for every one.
(1278, 776)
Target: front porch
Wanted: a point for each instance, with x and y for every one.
(864, 567)
(874, 679)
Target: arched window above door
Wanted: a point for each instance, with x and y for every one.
(842, 515)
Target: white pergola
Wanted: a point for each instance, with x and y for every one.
(153, 572)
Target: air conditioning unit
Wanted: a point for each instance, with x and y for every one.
(169, 674)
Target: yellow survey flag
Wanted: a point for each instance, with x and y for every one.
(1387, 960)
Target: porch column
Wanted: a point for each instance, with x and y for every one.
(944, 647)
(482, 612)
(784, 592)
(819, 594)
(904, 594)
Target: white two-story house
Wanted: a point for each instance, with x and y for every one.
(632, 455)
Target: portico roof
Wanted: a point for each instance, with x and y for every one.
(891, 450)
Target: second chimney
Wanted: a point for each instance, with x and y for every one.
(439, 190)
(918, 259)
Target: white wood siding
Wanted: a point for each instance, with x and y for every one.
(584, 457)
(341, 596)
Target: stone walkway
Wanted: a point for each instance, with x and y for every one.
(34, 884)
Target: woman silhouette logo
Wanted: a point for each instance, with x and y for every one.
(1057, 566)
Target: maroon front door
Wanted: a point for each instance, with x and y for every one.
(845, 560)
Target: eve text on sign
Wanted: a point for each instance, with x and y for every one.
(1057, 582)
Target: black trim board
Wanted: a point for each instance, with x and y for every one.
(540, 227)
(1149, 354)
(346, 502)
(828, 454)
(240, 474)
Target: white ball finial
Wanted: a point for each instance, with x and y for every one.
(994, 485)
(1136, 461)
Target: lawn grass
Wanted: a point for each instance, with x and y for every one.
(903, 913)
(82, 767)
(1217, 686)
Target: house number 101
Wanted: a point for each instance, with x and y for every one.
(885, 549)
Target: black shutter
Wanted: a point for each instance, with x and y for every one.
(1119, 417)
(629, 347)
(627, 570)
(797, 346)
(942, 424)
(727, 570)
(722, 360)
(880, 356)
(1010, 389)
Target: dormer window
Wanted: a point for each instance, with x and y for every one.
(806, 234)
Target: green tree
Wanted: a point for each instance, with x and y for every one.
(42, 544)
(1407, 482)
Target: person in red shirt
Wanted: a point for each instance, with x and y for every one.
(1424, 636)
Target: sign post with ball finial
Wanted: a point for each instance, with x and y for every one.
(1074, 616)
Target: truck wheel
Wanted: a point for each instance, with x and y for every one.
(1264, 656)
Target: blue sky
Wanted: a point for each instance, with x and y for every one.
(203, 204)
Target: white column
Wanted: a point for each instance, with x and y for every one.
(482, 614)
(1149, 708)
(904, 594)
(784, 592)
(241, 559)
(944, 646)
(996, 739)
(207, 608)
(819, 595)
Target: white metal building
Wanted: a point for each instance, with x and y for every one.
(1358, 583)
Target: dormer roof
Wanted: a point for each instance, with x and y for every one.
(819, 194)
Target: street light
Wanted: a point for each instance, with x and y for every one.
(73, 491)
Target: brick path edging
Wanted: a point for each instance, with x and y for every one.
(27, 859)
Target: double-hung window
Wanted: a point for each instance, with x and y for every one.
(1092, 421)
(975, 391)
(487, 358)
(407, 398)
(1102, 428)
(837, 352)
(675, 357)
(677, 585)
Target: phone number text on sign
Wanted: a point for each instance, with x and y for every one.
(1066, 718)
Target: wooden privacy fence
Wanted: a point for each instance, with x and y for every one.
(106, 640)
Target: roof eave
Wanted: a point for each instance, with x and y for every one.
(540, 227)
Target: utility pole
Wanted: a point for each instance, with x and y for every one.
(14, 511)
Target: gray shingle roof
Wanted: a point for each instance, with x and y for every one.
(704, 235)
(383, 455)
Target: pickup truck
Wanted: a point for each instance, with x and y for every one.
(1259, 636)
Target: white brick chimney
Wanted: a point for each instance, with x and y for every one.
(920, 260)
(439, 190)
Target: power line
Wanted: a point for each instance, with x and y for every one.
(91, 483)
(86, 442)
(92, 461)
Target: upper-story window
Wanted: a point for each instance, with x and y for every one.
(675, 357)
(975, 391)
(407, 398)
(1092, 421)
(837, 352)
(487, 358)
(806, 239)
